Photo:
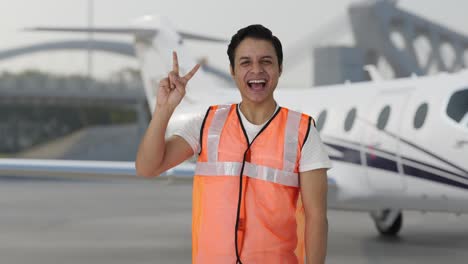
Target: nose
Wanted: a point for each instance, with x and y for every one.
(257, 67)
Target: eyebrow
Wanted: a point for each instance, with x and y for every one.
(263, 57)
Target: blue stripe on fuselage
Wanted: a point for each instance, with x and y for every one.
(377, 161)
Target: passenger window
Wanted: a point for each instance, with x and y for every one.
(321, 120)
(383, 117)
(457, 108)
(420, 116)
(349, 121)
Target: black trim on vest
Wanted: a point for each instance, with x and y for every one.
(307, 133)
(201, 130)
(246, 153)
(261, 130)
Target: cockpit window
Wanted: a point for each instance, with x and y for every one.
(457, 108)
(420, 116)
(383, 117)
(321, 120)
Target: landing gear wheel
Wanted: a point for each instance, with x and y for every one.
(388, 222)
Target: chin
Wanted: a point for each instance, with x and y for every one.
(257, 98)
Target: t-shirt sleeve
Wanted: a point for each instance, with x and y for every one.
(190, 131)
(314, 154)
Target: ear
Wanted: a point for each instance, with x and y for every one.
(280, 69)
(232, 70)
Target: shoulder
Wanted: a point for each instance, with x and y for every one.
(302, 121)
(299, 114)
(190, 130)
(314, 154)
(220, 107)
(221, 111)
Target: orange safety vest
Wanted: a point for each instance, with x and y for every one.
(263, 221)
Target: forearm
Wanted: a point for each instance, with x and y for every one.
(152, 147)
(316, 233)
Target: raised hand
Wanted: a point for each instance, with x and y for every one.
(172, 88)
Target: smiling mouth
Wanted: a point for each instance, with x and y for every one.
(257, 84)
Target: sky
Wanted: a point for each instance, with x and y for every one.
(290, 20)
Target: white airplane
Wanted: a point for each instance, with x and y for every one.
(396, 145)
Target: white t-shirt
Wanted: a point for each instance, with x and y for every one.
(313, 155)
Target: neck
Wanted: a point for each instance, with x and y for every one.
(258, 113)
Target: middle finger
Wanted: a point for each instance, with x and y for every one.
(175, 63)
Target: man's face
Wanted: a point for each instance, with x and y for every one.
(256, 70)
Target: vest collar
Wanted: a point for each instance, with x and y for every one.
(278, 109)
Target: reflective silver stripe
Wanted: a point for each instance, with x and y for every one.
(214, 132)
(291, 140)
(251, 170)
(218, 168)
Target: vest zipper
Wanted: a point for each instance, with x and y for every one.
(246, 154)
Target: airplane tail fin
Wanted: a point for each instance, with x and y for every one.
(155, 39)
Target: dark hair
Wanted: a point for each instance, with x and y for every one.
(256, 32)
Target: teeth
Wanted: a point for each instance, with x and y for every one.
(257, 81)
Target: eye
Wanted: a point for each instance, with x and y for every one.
(267, 62)
(244, 63)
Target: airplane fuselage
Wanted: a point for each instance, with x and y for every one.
(393, 143)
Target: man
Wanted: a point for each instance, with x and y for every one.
(260, 166)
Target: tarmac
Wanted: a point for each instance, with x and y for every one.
(44, 220)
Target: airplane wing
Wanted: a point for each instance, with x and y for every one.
(92, 169)
(82, 169)
(128, 31)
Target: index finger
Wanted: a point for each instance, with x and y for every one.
(189, 75)
(175, 63)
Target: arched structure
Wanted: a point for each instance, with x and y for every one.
(399, 43)
(116, 47)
